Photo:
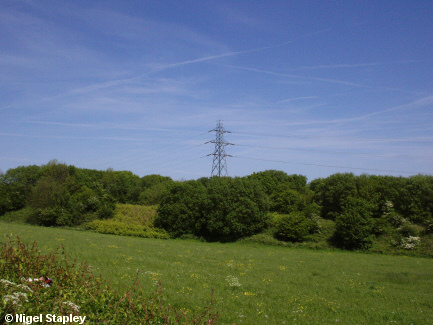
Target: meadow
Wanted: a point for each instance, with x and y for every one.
(254, 283)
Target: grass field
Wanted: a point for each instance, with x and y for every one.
(257, 284)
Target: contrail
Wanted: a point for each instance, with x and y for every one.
(234, 53)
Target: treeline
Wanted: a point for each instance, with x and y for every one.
(358, 209)
(60, 195)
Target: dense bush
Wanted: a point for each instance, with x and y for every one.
(124, 186)
(332, 193)
(65, 203)
(125, 229)
(15, 186)
(129, 220)
(75, 290)
(222, 209)
(287, 193)
(411, 196)
(236, 208)
(153, 195)
(295, 227)
(137, 214)
(182, 209)
(271, 179)
(354, 226)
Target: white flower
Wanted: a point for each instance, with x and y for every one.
(16, 298)
(7, 283)
(410, 242)
(233, 281)
(72, 305)
(24, 287)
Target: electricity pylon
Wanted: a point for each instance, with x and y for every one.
(219, 165)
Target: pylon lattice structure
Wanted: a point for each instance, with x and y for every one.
(219, 165)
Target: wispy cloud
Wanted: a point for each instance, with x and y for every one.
(101, 126)
(353, 65)
(235, 53)
(72, 137)
(286, 75)
(416, 104)
(289, 100)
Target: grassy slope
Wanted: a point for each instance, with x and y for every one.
(279, 285)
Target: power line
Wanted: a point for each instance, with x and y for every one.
(126, 158)
(339, 152)
(329, 166)
(177, 163)
(338, 137)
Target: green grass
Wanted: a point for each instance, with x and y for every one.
(278, 285)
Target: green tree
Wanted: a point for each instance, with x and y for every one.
(295, 227)
(354, 227)
(123, 186)
(181, 208)
(272, 179)
(56, 170)
(149, 181)
(237, 208)
(332, 193)
(224, 209)
(155, 187)
(49, 200)
(15, 187)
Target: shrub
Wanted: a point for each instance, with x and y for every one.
(19, 216)
(237, 208)
(427, 226)
(265, 239)
(354, 227)
(219, 208)
(295, 227)
(182, 208)
(154, 194)
(410, 242)
(45, 216)
(408, 230)
(75, 290)
(137, 214)
(126, 229)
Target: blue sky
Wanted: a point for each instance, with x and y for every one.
(307, 87)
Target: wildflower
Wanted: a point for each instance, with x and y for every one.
(233, 281)
(7, 283)
(24, 287)
(16, 298)
(73, 306)
(410, 242)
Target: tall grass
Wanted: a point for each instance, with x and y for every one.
(75, 291)
(257, 284)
